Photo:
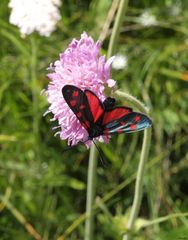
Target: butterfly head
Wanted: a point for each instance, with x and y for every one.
(109, 103)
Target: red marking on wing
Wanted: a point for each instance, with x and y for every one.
(119, 130)
(75, 93)
(82, 106)
(133, 126)
(73, 103)
(106, 132)
(122, 123)
(79, 114)
(115, 114)
(95, 105)
(86, 124)
(137, 118)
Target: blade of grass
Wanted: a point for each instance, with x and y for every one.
(19, 216)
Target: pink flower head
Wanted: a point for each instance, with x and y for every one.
(81, 65)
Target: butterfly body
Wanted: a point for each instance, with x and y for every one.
(109, 103)
(102, 118)
(95, 131)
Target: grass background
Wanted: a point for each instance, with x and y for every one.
(46, 188)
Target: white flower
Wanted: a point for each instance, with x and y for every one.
(35, 15)
(119, 62)
(176, 8)
(147, 19)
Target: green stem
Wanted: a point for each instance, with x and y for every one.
(139, 182)
(91, 187)
(116, 28)
(35, 93)
(141, 167)
(34, 83)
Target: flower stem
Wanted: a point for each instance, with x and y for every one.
(141, 167)
(116, 28)
(35, 93)
(34, 82)
(91, 187)
(139, 182)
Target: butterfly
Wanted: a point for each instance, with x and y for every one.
(102, 118)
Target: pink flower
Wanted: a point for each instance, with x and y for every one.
(81, 65)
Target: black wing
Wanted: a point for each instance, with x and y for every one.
(132, 122)
(85, 105)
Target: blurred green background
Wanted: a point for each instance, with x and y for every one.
(42, 188)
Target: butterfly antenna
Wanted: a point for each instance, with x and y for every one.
(104, 163)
